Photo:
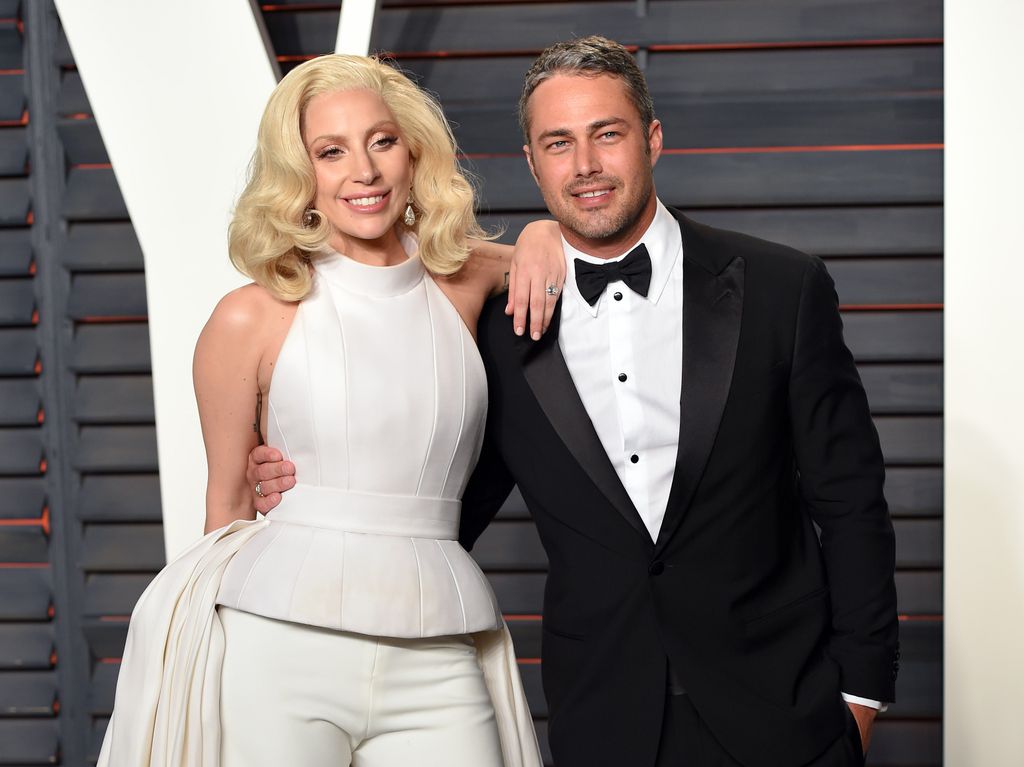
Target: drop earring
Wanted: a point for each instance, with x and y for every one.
(410, 215)
(307, 218)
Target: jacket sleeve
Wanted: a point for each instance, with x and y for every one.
(841, 475)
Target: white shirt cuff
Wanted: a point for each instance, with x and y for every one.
(875, 704)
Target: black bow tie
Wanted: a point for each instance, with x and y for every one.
(634, 270)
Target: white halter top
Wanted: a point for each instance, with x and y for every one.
(379, 398)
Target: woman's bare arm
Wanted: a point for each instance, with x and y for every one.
(226, 371)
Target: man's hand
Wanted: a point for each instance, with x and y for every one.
(865, 716)
(275, 475)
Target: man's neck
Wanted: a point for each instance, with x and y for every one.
(618, 244)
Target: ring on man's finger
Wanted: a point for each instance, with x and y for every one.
(259, 490)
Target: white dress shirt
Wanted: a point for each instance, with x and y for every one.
(625, 356)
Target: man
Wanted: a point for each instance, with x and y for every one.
(689, 417)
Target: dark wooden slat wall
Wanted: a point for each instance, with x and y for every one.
(813, 122)
(80, 530)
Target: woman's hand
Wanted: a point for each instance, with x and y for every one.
(535, 277)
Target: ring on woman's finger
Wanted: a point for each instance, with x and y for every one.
(552, 289)
(259, 490)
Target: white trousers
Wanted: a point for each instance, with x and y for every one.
(301, 695)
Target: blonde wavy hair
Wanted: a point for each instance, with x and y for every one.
(268, 240)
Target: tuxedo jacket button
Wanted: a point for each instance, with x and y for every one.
(657, 567)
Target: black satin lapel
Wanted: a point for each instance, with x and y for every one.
(712, 310)
(548, 376)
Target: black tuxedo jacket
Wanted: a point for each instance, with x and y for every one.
(762, 624)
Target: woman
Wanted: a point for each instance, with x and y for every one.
(348, 626)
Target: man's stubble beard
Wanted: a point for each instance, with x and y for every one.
(600, 225)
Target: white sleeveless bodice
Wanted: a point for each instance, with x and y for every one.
(379, 398)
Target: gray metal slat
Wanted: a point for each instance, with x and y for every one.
(888, 281)
(116, 449)
(127, 547)
(835, 232)
(692, 124)
(533, 687)
(113, 594)
(19, 402)
(102, 247)
(899, 72)
(894, 336)
(11, 45)
(14, 201)
(518, 593)
(918, 543)
(906, 743)
(21, 451)
(105, 638)
(111, 348)
(71, 98)
(903, 388)
(914, 491)
(114, 399)
(27, 693)
(18, 351)
(15, 252)
(750, 179)
(25, 593)
(13, 151)
(82, 141)
(12, 96)
(92, 194)
(919, 592)
(23, 543)
(107, 295)
(511, 545)
(26, 645)
(120, 498)
(534, 26)
(24, 742)
(910, 440)
(17, 301)
(101, 688)
(21, 497)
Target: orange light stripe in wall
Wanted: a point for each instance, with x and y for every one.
(42, 521)
(93, 166)
(789, 44)
(23, 120)
(23, 565)
(890, 307)
(113, 318)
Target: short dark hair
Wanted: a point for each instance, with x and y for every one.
(588, 57)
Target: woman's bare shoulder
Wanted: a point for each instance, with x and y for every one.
(249, 308)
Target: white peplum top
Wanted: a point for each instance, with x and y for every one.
(379, 398)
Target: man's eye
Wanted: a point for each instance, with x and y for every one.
(610, 134)
(557, 144)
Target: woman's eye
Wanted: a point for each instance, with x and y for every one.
(385, 141)
(328, 152)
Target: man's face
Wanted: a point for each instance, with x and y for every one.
(592, 160)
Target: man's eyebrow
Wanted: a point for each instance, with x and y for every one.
(560, 132)
(598, 124)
